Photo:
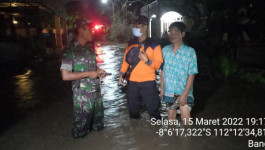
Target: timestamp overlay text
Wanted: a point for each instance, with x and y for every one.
(252, 128)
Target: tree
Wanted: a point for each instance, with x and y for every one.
(120, 28)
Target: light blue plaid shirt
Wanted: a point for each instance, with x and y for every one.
(177, 67)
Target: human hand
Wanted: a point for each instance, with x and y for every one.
(93, 74)
(161, 93)
(101, 73)
(121, 80)
(183, 100)
(143, 56)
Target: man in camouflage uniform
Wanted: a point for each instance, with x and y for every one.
(79, 66)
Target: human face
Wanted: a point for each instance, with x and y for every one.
(141, 27)
(175, 35)
(86, 34)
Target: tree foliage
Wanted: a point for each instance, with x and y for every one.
(220, 28)
(120, 29)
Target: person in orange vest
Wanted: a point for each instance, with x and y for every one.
(142, 57)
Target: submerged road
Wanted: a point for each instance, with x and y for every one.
(36, 114)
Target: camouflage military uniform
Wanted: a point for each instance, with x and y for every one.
(88, 104)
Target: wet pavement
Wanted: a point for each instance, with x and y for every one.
(36, 113)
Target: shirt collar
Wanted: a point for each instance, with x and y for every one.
(142, 43)
(180, 48)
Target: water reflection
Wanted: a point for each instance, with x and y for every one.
(121, 132)
(125, 132)
(113, 94)
(114, 98)
(24, 91)
(99, 53)
(29, 89)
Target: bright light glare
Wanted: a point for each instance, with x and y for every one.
(15, 22)
(104, 1)
(96, 27)
(13, 4)
(170, 16)
(152, 17)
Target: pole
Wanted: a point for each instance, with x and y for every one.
(113, 15)
(113, 12)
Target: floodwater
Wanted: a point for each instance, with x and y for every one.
(36, 113)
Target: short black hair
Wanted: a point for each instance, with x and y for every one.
(142, 20)
(180, 25)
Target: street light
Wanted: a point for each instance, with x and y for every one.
(104, 2)
(132, 1)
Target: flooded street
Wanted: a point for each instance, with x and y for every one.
(36, 113)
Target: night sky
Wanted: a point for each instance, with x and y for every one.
(94, 6)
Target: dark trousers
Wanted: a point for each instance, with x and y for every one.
(147, 91)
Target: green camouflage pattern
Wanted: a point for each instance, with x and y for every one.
(88, 112)
(88, 104)
(78, 58)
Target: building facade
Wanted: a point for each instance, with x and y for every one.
(31, 19)
(161, 14)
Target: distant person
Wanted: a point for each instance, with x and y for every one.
(177, 76)
(79, 65)
(165, 35)
(165, 39)
(143, 56)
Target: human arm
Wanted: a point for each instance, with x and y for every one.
(184, 96)
(70, 76)
(192, 70)
(124, 67)
(157, 59)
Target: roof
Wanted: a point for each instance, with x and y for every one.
(20, 4)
